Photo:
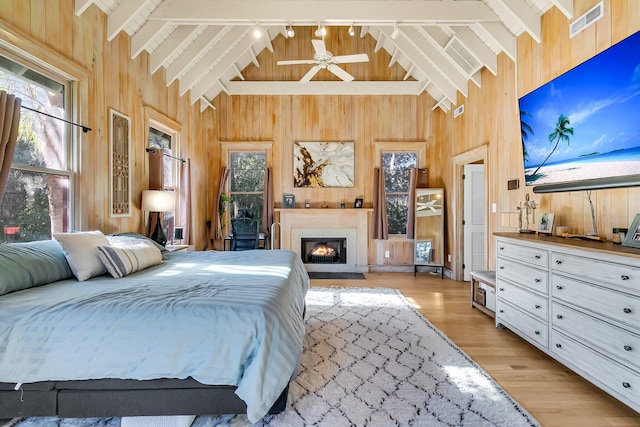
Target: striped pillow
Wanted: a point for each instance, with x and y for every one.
(121, 261)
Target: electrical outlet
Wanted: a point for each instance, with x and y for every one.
(449, 257)
(387, 254)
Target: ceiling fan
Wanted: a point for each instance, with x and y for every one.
(323, 59)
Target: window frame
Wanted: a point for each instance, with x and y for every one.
(418, 147)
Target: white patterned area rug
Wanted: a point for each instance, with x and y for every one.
(371, 359)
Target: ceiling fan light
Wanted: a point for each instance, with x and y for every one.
(321, 31)
(290, 32)
(352, 31)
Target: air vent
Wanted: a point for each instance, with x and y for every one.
(458, 111)
(587, 19)
(461, 55)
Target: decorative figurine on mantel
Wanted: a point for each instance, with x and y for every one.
(529, 209)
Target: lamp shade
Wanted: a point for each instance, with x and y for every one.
(158, 201)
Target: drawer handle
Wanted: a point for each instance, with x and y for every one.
(501, 311)
(502, 248)
(559, 316)
(537, 305)
(537, 332)
(537, 280)
(502, 267)
(626, 310)
(537, 257)
(558, 287)
(558, 261)
(626, 385)
(624, 277)
(627, 348)
(558, 345)
(501, 289)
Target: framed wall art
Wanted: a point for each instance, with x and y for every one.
(323, 164)
(119, 164)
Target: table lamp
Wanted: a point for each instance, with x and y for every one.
(158, 201)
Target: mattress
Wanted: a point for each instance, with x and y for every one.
(221, 318)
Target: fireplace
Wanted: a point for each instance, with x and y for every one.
(323, 250)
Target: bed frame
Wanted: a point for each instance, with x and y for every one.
(120, 398)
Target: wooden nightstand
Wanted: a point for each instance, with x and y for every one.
(177, 248)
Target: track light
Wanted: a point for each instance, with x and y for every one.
(321, 31)
(352, 31)
(290, 32)
(396, 31)
(257, 31)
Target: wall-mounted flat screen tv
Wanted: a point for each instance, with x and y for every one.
(581, 130)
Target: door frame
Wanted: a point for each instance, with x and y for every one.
(475, 155)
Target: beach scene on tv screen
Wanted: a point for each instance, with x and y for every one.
(585, 124)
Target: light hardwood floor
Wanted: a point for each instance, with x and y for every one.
(553, 394)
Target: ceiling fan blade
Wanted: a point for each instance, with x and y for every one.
(297, 61)
(320, 47)
(340, 73)
(344, 59)
(310, 74)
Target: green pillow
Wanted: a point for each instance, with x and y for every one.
(24, 265)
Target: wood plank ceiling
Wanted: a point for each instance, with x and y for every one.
(441, 45)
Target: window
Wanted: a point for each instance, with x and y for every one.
(397, 166)
(163, 134)
(36, 202)
(246, 181)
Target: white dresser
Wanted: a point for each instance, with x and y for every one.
(578, 301)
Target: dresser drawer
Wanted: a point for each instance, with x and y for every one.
(531, 329)
(618, 276)
(522, 275)
(608, 339)
(526, 254)
(619, 307)
(622, 382)
(533, 304)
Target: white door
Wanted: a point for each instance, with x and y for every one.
(474, 212)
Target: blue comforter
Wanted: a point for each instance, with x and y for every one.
(232, 318)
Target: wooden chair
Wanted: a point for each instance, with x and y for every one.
(246, 234)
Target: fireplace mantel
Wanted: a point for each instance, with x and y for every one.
(352, 223)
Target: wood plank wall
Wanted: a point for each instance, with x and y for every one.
(491, 117)
(115, 81)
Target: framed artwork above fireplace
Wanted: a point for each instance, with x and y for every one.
(323, 164)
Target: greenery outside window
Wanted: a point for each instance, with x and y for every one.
(396, 166)
(37, 196)
(246, 182)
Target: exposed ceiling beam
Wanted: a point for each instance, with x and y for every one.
(323, 88)
(122, 15)
(565, 6)
(503, 37)
(220, 64)
(423, 41)
(525, 15)
(478, 48)
(328, 11)
(170, 45)
(145, 35)
(82, 5)
(421, 63)
(205, 41)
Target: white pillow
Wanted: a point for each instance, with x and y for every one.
(81, 253)
(121, 261)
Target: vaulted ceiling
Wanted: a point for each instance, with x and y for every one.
(433, 46)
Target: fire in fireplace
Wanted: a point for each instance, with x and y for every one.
(324, 250)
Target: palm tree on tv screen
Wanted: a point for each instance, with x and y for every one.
(560, 133)
(525, 131)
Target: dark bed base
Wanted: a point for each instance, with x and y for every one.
(121, 398)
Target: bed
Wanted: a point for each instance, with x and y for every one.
(198, 333)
